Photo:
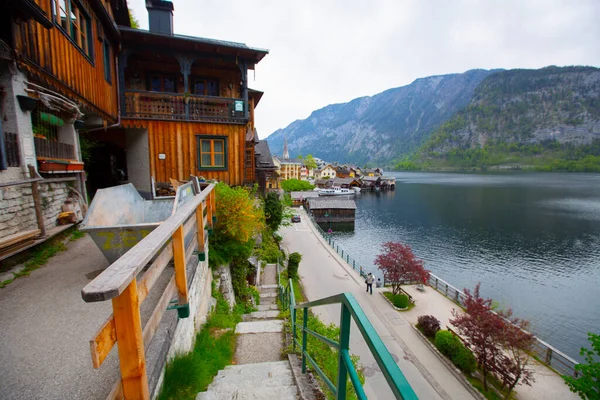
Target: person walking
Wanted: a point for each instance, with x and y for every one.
(369, 282)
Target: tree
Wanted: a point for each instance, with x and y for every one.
(238, 220)
(309, 162)
(293, 264)
(273, 211)
(587, 383)
(296, 185)
(400, 265)
(480, 327)
(133, 20)
(517, 344)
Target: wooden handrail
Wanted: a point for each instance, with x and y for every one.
(120, 283)
(115, 279)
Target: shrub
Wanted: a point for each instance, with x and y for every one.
(293, 263)
(400, 300)
(429, 325)
(448, 344)
(465, 360)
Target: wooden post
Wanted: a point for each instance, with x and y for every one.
(200, 226)
(209, 210)
(179, 258)
(36, 201)
(128, 327)
(213, 203)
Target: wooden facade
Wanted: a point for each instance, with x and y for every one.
(177, 140)
(75, 68)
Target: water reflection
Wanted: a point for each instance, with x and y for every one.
(533, 240)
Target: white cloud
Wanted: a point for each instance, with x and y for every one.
(331, 51)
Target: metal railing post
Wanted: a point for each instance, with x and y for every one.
(342, 377)
(293, 315)
(304, 325)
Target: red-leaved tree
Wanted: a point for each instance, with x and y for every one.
(517, 344)
(399, 265)
(480, 327)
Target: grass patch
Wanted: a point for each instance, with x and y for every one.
(188, 374)
(76, 234)
(325, 356)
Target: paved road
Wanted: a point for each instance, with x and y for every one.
(323, 274)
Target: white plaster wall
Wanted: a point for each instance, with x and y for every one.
(15, 120)
(138, 160)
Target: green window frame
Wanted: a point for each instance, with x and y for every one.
(211, 153)
(75, 22)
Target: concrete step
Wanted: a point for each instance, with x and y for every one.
(269, 286)
(256, 393)
(269, 326)
(266, 380)
(268, 295)
(267, 307)
(268, 301)
(265, 367)
(271, 314)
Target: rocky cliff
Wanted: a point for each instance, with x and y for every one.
(522, 116)
(381, 128)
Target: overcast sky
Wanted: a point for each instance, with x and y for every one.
(331, 51)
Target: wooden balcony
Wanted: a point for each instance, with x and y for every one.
(179, 107)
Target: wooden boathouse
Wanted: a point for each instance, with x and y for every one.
(328, 210)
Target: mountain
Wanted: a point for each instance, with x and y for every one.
(547, 118)
(383, 127)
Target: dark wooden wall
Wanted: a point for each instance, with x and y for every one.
(177, 140)
(55, 60)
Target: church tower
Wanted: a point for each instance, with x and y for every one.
(286, 154)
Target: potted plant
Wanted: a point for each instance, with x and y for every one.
(186, 97)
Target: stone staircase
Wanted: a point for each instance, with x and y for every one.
(261, 372)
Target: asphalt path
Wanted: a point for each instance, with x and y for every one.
(323, 273)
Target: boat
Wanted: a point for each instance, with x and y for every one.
(336, 191)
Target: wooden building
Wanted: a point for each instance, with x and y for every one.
(331, 210)
(346, 183)
(186, 108)
(266, 171)
(300, 198)
(57, 77)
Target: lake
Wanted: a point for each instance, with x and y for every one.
(531, 239)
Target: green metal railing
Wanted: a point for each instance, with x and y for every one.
(345, 256)
(350, 309)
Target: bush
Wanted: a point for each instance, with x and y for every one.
(293, 263)
(429, 325)
(400, 300)
(465, 360)
(448, 344)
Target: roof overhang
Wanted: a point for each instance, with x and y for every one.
(193, 44)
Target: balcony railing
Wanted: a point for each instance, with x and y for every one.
(179, 107)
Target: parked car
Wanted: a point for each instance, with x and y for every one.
(296, 218)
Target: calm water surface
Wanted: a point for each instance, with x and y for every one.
(532, 240)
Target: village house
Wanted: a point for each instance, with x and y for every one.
(346, 183)
(57, 77)
(289, 168)
(266, 171)
(186, 108)
(325, 172)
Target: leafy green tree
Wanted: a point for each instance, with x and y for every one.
(133, 20)
(238, 221)
(587, 383)
(273, 211)
(310, 162)
(293, 264)
(296, 185)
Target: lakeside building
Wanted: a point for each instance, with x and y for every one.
(186, 108)
(331, 210)
(57, 77)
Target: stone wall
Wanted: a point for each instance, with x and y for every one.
(201, 302)
(17, 211)
(224, 284)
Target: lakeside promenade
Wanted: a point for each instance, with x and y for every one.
(323, 272)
